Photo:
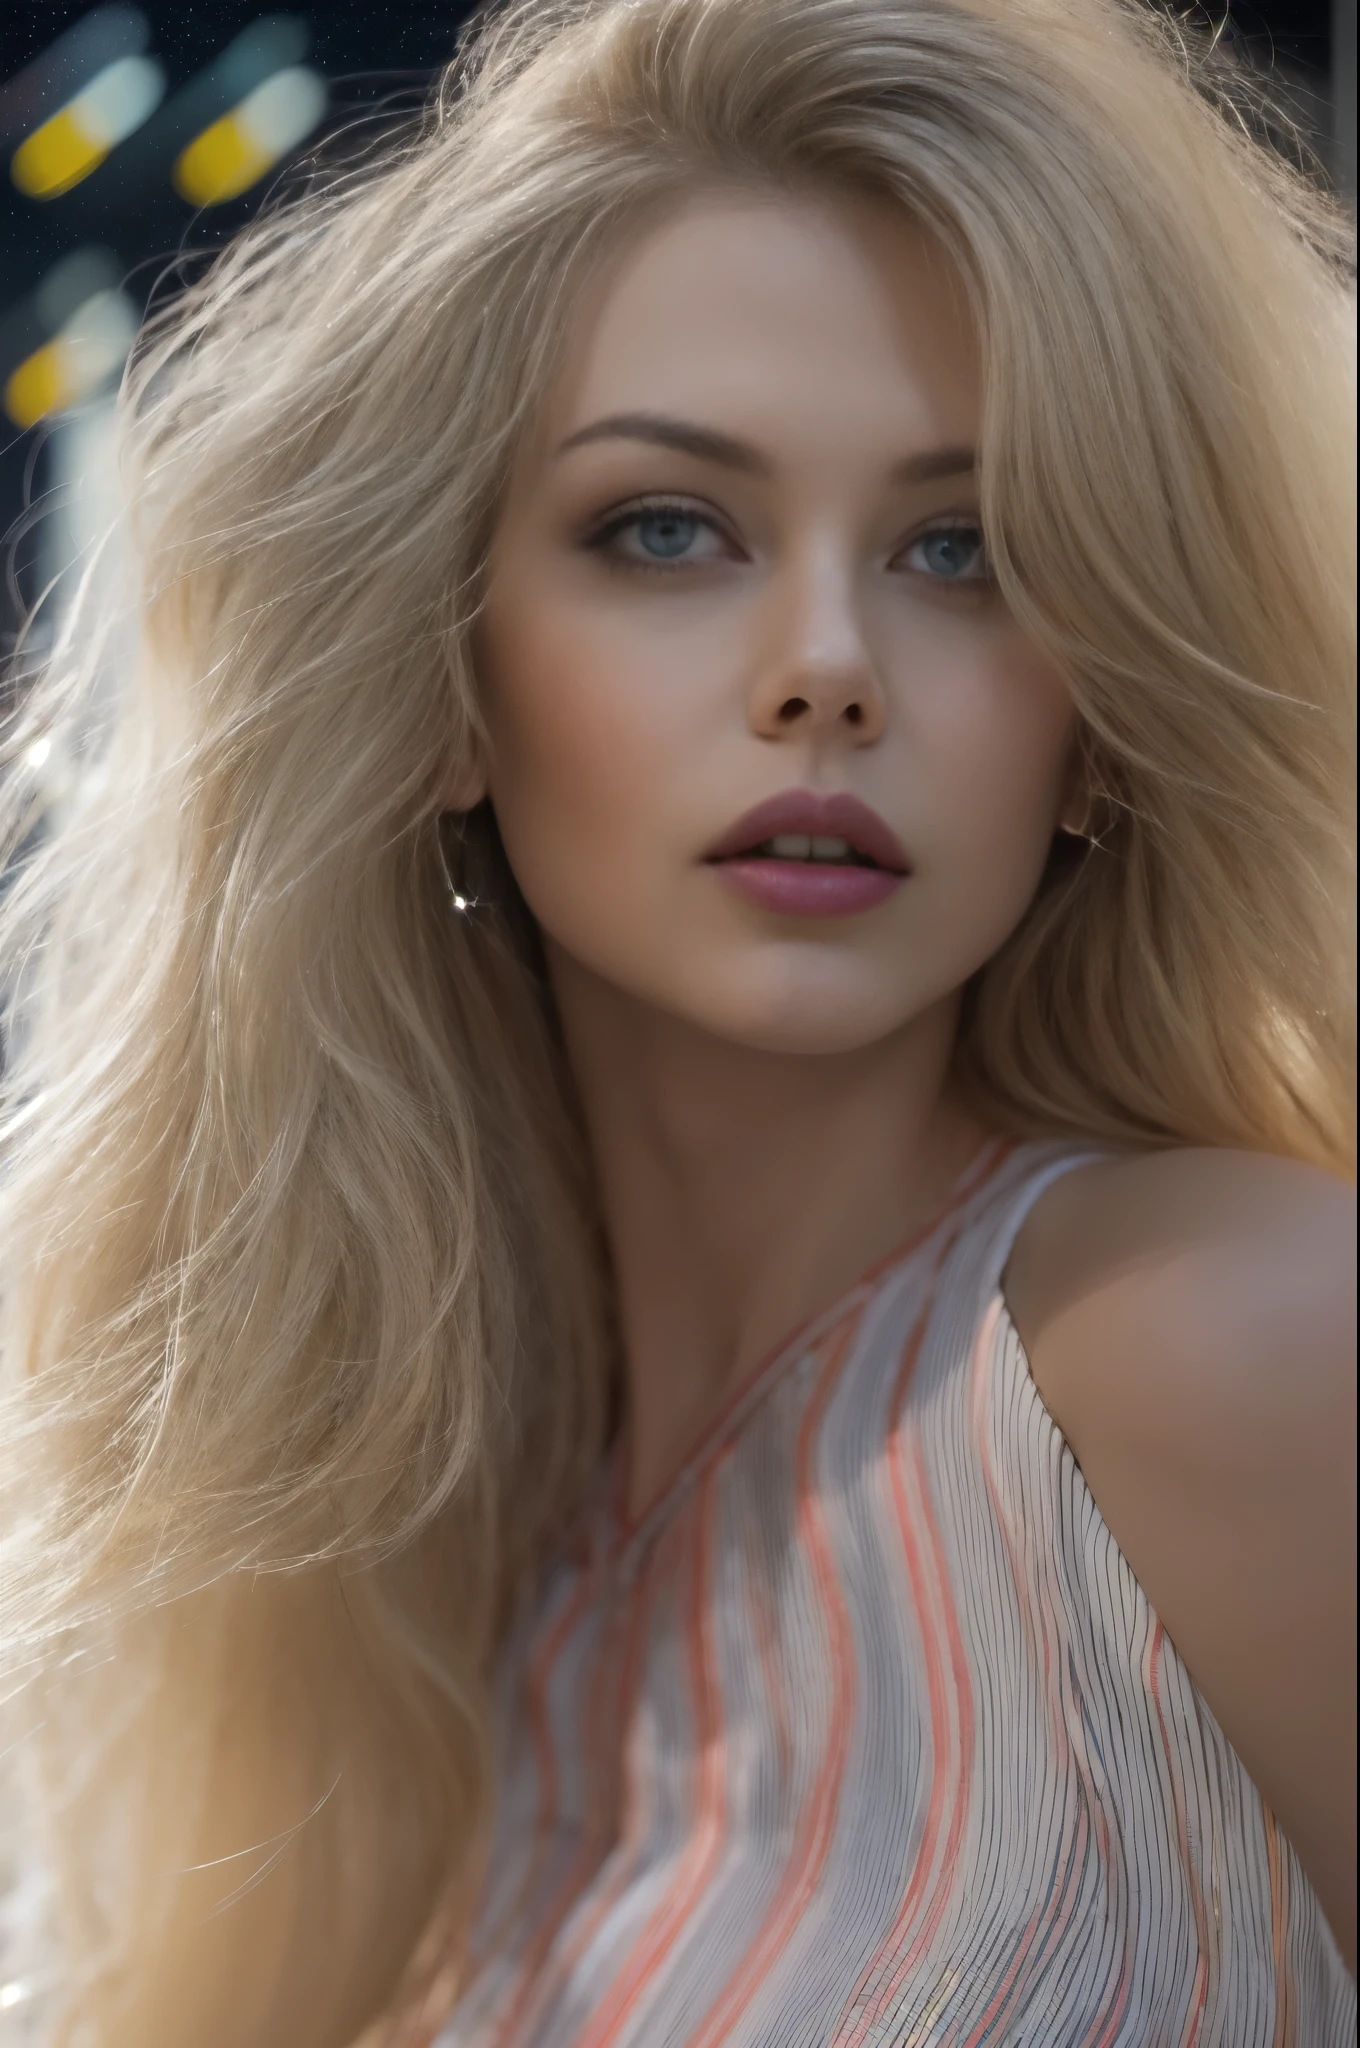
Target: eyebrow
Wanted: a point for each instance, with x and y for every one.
(661, 431)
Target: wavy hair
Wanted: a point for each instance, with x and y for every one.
(306, 1317)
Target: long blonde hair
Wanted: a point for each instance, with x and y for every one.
(306, 1314)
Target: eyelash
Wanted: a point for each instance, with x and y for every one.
(616, 522)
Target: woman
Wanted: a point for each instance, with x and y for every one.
(734, 722)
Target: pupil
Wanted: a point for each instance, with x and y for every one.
(950, 553)
(666, 533)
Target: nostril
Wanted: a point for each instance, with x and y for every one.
(854, 714)
(791, 708)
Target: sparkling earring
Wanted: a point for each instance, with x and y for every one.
(1082, 829)
(453, 895)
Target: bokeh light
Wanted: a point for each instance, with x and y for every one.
(236, 151)
(76, 139)
(89, 348)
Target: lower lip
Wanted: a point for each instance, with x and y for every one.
(793, 888)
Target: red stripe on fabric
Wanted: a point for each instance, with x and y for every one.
(707, 1834)
(1199, 1989)
(1044, 1931)
(1020, 1955)
(426, 2023)
(951, 1714)
(1048, 1924)
(529, 1994)
(772, 1670)
(1069, 1762)
(531, 1988)
(1107, 2025)
(542, 1665)
(633, 1831)
(1277, 1865)
(817, 1822)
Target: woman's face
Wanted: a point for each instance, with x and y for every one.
(767, 750)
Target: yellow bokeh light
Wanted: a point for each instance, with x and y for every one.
(91, 347)
(37, 387)
(78, 137)
(236, 151)
(55, 157)
(219, 164)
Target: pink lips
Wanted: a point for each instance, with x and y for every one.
(793, 888)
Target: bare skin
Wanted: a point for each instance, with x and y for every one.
(674, 633)
(767, 1096)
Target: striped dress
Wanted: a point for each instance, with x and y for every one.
(866, 1733)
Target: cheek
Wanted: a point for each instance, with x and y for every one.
(607, 735)
(580, 743)
(996, 746)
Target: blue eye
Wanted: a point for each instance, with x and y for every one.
(666, 534)
(950, 554)
(659, 536)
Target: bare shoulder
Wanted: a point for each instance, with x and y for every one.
(1189, 1319)
(1177, 1277)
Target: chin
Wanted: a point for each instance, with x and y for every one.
(814, 1019)
(800, 1040)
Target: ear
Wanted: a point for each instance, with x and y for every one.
(465, 783)
(464, 788)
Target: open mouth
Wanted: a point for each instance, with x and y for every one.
(824, 851)
(813, 829)
(805, 854)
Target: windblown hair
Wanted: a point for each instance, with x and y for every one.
(306, 1330)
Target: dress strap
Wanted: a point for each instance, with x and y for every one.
(1034, 1169)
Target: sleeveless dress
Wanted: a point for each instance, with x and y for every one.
(866, 1734)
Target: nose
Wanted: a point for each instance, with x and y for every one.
(817, 676)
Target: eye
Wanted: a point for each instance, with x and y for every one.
(659, 534)
(956, 553)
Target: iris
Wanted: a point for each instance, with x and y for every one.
(666, 534)
(950, 552)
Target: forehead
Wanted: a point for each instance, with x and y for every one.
(749, 311)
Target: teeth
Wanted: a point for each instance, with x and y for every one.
(804, 846)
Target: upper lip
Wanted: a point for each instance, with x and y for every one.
(835, 816)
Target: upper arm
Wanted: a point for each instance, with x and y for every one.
(1190, 1321)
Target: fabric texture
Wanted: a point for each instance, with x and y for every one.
(866, 1733)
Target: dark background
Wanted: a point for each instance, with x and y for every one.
(376, 61)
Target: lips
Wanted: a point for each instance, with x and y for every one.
(802, 813)
(801, 854)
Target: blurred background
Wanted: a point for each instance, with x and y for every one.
(130, 138)
(133, 136)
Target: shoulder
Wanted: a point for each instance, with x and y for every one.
(1169, 1281)
(1189, 1318)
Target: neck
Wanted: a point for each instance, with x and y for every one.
(744, 1191)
